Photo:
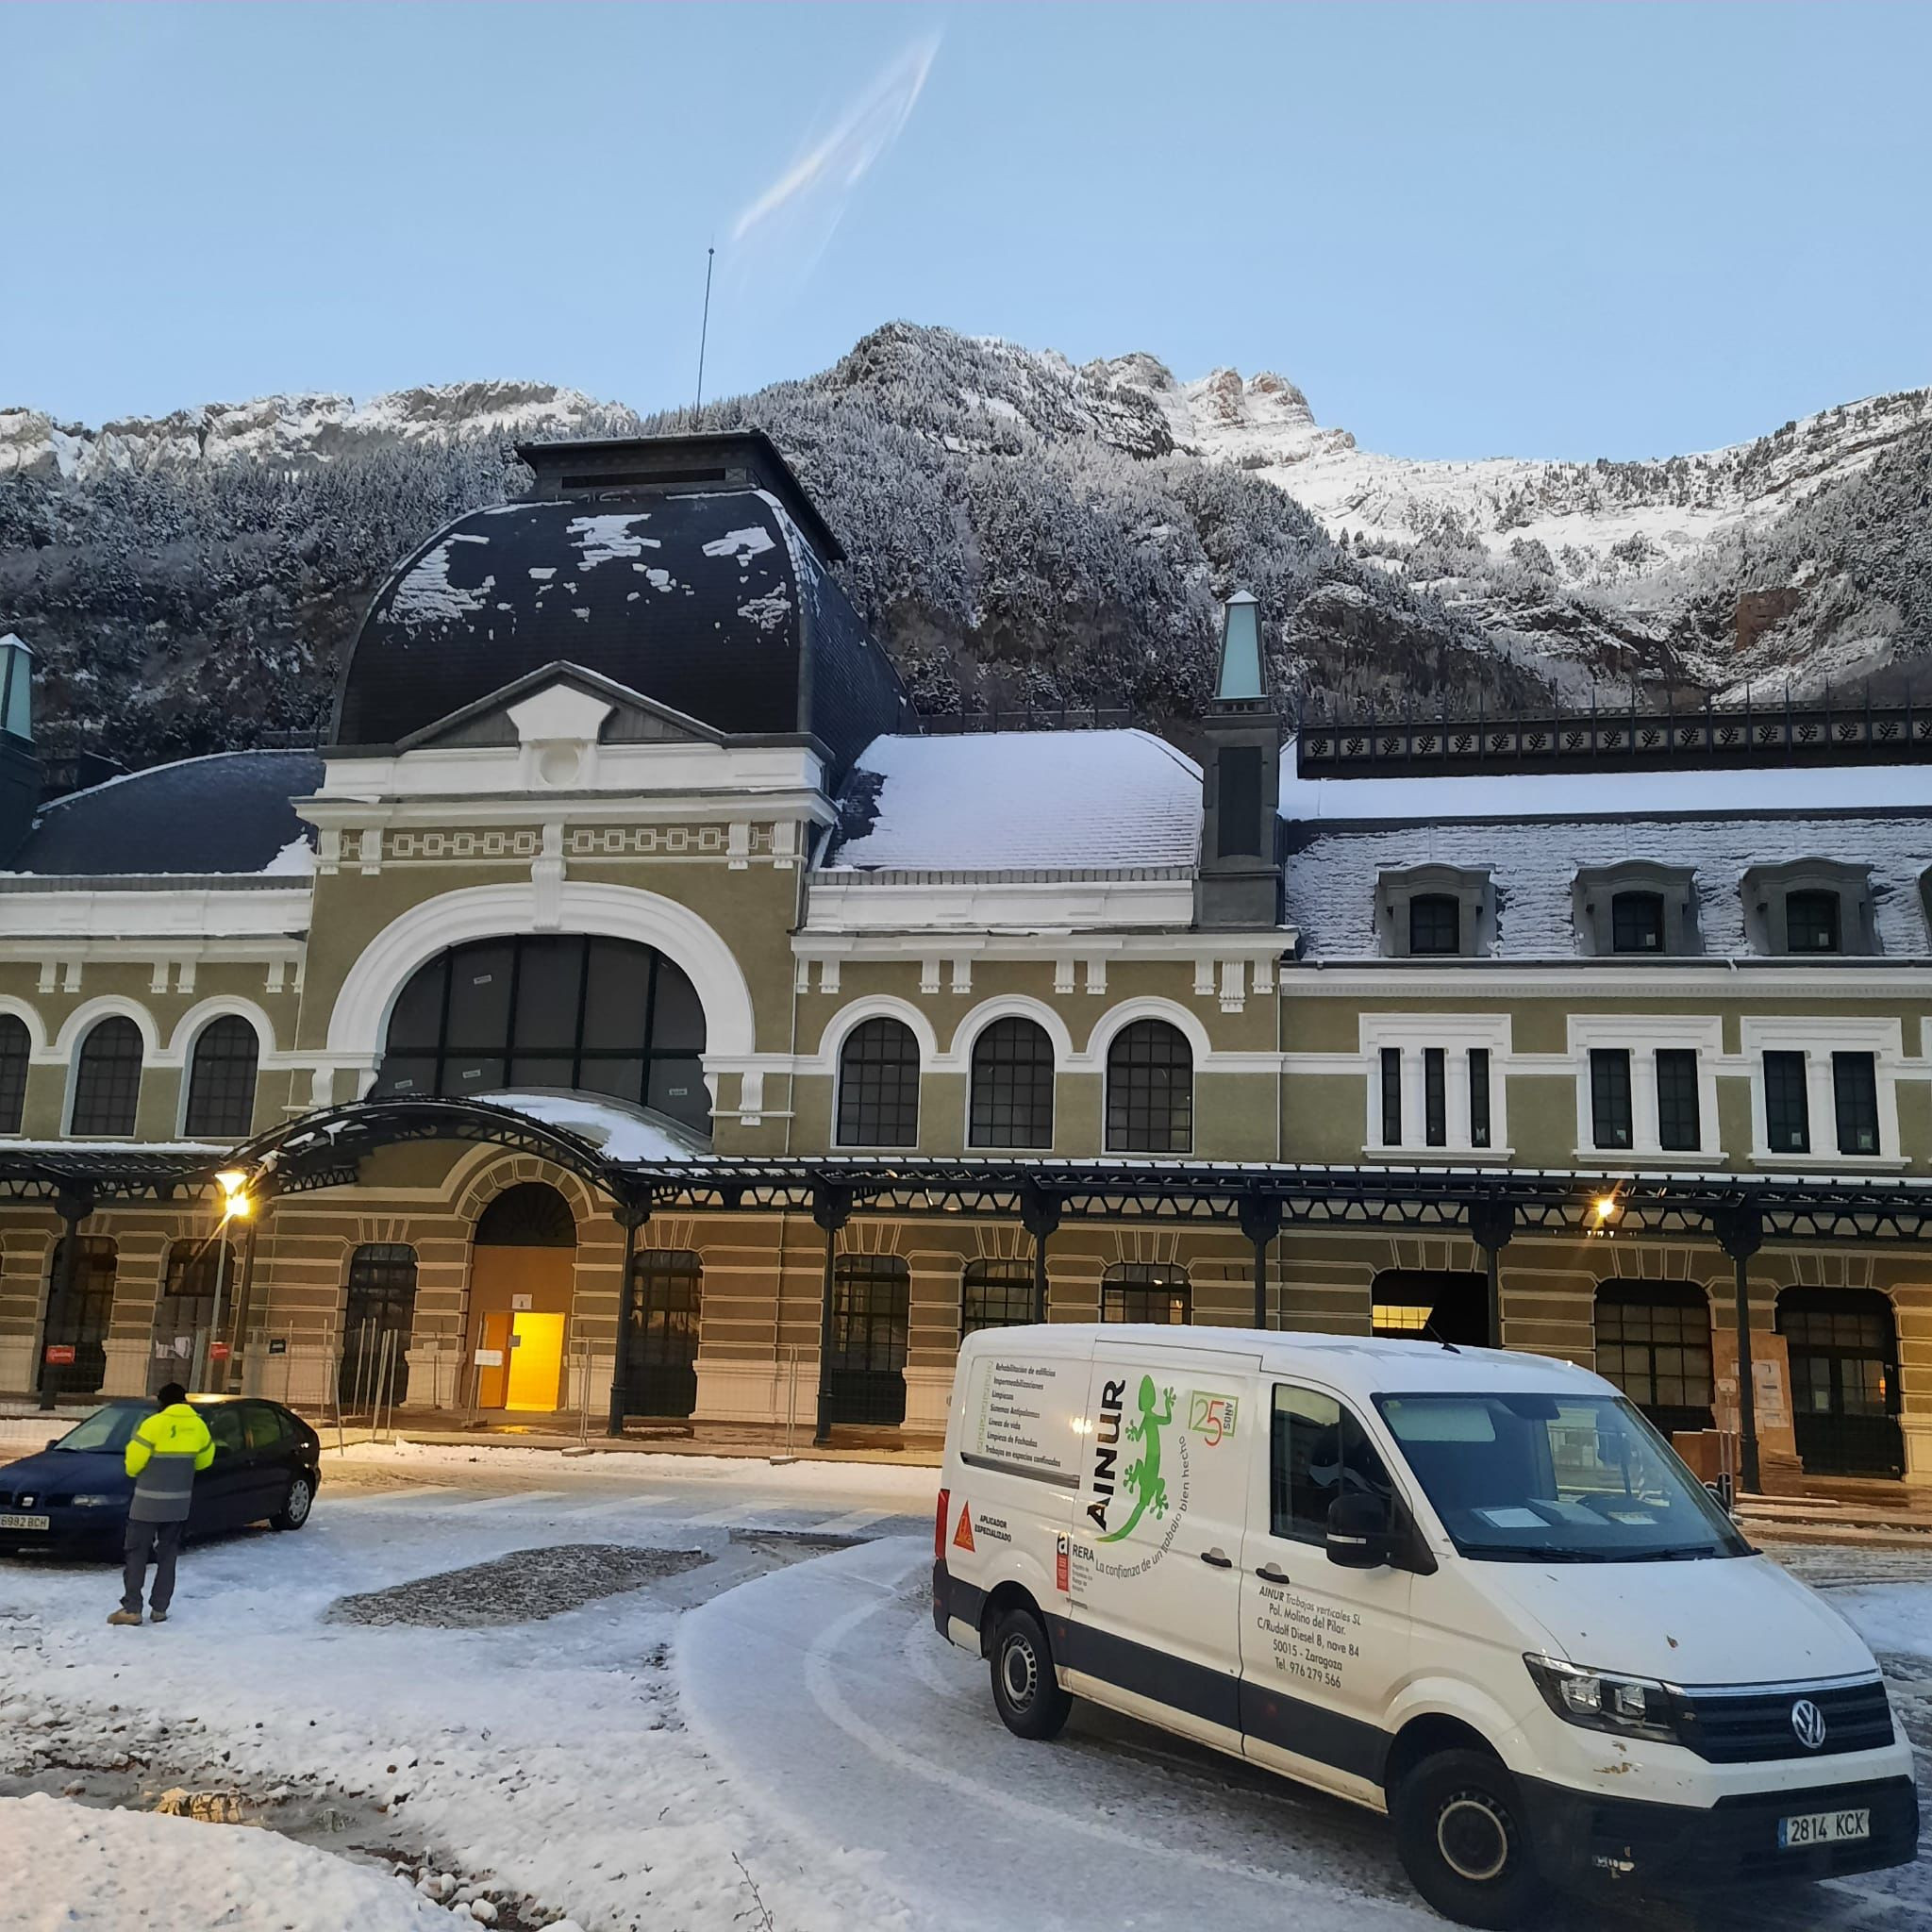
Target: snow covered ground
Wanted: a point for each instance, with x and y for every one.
(774, 1740)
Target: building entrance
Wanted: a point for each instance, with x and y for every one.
(522, 1276)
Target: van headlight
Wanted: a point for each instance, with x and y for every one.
(98, 1502)
(1605, 1701)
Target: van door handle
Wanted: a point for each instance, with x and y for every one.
(1272, 1573)
(1220, 1558)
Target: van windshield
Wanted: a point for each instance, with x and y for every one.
(1556, 1479)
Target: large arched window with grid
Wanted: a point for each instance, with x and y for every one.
(995, 1295)
(553, 1011)
(16, 1050)
(221, 1081)
(1149, 1089)
(106, 1078)
(1653, 1340)
(1012, 1086)
(1146, 1291)
(878, 1086)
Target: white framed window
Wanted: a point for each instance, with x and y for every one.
(1646, 1087)
(1435, 1085)
(1824, 1092)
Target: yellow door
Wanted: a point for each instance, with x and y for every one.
(536, 1360)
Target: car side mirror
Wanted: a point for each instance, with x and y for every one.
(1360, 1536)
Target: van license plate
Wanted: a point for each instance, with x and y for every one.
(1822, 1828)
(26, 1521)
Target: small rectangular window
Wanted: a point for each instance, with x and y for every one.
(1318, 1453)
(1609, 1096)
(1811, 923)
(1854, 1087)
(1239, 816)
(1391, 1097)
(1435, 923)
(1678, 1128)
(1787, 1109)
(1637, 923)
(1435, 1097)
(1478, 1096)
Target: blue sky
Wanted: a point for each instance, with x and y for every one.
(1532, 230)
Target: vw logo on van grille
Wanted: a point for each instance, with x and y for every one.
(1808, 1723)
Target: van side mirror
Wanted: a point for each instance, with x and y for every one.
(1360, 1536)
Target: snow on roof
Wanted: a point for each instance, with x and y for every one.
(1611, 794)
(615, 1131)
(1020, 801)
(1331, 873)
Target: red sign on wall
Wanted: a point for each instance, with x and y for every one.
(218, 1351)
(60, 1354)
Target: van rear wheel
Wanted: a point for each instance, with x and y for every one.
(1024, 1689)
(1464, 1842)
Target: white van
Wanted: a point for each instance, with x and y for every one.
(1473, 1589)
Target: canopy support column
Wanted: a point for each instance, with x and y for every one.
(1492, 1224)
(1741, 1233)
(631, 1215)
(1039, 1215)
(72, 1207)
(831, 1208)
(1261, 1216)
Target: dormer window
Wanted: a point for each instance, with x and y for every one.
(1811, 922)
(1807, 909)
(1436, 912)
(1435, 923)
(1637, 923)
(1635, 909)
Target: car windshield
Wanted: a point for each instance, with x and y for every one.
(107, 1428)
(1556, 1479)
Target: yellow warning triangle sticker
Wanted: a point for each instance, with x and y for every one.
(962, 1537)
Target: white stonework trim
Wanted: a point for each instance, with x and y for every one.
(962, 973)
(957, 1058)
(1818, 1037)
(1177, 1016)
(835, 905)
(1097, 976)
(181, 1042)
(360, 1019)
(1585, 977)
(108, 923)
(1049, 946)
(29, 1017)
(81, 1021)
(1412, 1035)
(1063, 973)
(876, 1006)
(1641, 1035)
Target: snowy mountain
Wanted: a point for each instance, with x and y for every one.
(1023, 531)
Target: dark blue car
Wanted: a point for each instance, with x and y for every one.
(75, 1491)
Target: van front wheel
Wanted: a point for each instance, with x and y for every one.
(1461, 1836)
(1024, 1688)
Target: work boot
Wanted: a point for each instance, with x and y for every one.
(156, 1617)
(126, 1617)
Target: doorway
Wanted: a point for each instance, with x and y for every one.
(864, 1377)
(522, 1276)
(379, 1319)
(79, 1319)
(1844, 1346)
(666, 1305)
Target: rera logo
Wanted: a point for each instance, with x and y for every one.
(1808, 1723)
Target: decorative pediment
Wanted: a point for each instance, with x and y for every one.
(562, 704)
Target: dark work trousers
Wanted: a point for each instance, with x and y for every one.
(163, 1540)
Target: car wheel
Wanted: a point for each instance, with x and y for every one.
(1463, 1840)
(294, 1510)
(1024, 1689)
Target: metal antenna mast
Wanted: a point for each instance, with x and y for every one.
(704, 332)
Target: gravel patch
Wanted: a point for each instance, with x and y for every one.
(520, 1588)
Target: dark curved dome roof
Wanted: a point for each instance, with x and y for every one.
(226, 813)
(710, 601)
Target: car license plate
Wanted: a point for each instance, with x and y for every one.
(25, 1521)
(1822, 1828)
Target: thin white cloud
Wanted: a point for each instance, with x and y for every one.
(812, 192)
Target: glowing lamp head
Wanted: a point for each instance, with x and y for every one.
(233, 1182)
(1605, 1209)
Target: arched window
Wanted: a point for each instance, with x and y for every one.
(1149, 1089)
(221, 1081)
(1653, 1340)
(78, 1320)
(14, 1049)
(666, 1308)
(878, 1086)
(199, 1273)
(106, 1078)
(551, 1011)
(378, 1317)
(529, 1215)
(1846, 1396)
(1146, 1291)
(1012, 1086)
(995, 1295)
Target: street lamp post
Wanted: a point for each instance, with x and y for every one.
(236, 1206)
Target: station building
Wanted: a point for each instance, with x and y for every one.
(635, 1008)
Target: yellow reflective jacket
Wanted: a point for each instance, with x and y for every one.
(163, 1455)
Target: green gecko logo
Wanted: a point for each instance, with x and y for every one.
(1142, 1479)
